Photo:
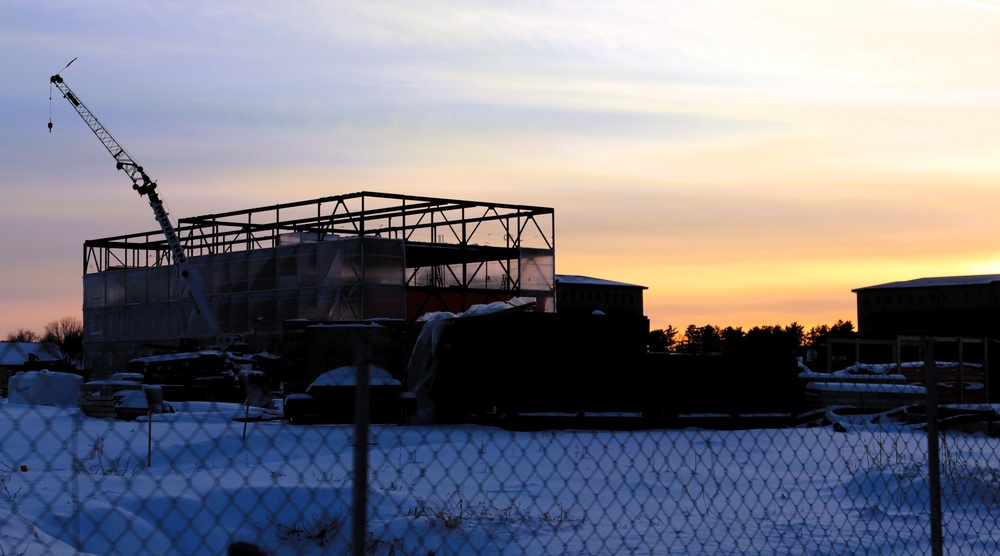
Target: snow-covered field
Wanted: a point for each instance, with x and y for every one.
(85, 487)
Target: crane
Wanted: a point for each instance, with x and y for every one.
(190, 280)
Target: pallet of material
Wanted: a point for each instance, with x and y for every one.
(98, 398)
(863, 395)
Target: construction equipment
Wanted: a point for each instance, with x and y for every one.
(190, 281)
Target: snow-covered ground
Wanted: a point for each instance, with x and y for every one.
(85, 487)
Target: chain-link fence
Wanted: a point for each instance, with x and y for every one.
(213, 477)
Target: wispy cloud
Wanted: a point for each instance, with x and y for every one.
(720, 138)
(980, 4)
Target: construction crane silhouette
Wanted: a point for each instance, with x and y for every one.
(191, 284)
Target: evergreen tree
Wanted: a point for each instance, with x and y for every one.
(662, 339)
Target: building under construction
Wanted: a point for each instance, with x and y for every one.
(349, 257)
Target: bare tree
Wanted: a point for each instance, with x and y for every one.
(66, 334)
(23, 335)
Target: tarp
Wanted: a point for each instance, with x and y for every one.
(44, 388)
(258, 394)
(422, 366)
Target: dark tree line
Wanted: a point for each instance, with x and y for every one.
(65, 334)
(713, 339)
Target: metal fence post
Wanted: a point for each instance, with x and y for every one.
(77, 519)
(933, 447)
(361, 418)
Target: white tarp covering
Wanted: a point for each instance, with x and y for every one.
(44, 388)
(422, 366)
(255, 384)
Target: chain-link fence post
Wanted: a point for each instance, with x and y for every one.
(361, 421)
(933, 447)
(76, 523)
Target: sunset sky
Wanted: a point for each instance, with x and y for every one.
(749, 161)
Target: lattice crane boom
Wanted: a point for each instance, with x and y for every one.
(190, 281)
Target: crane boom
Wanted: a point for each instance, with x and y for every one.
(190, 280)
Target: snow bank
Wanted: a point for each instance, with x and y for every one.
(45, 388)
(348, 376)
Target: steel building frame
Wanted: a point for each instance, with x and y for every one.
(439, 232)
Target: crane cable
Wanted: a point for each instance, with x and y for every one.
(50, 107)
(50, 91)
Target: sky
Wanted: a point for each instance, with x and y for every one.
(750, 162)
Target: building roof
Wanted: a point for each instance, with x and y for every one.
(939, 282)
(588, 281)
(17, 353)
